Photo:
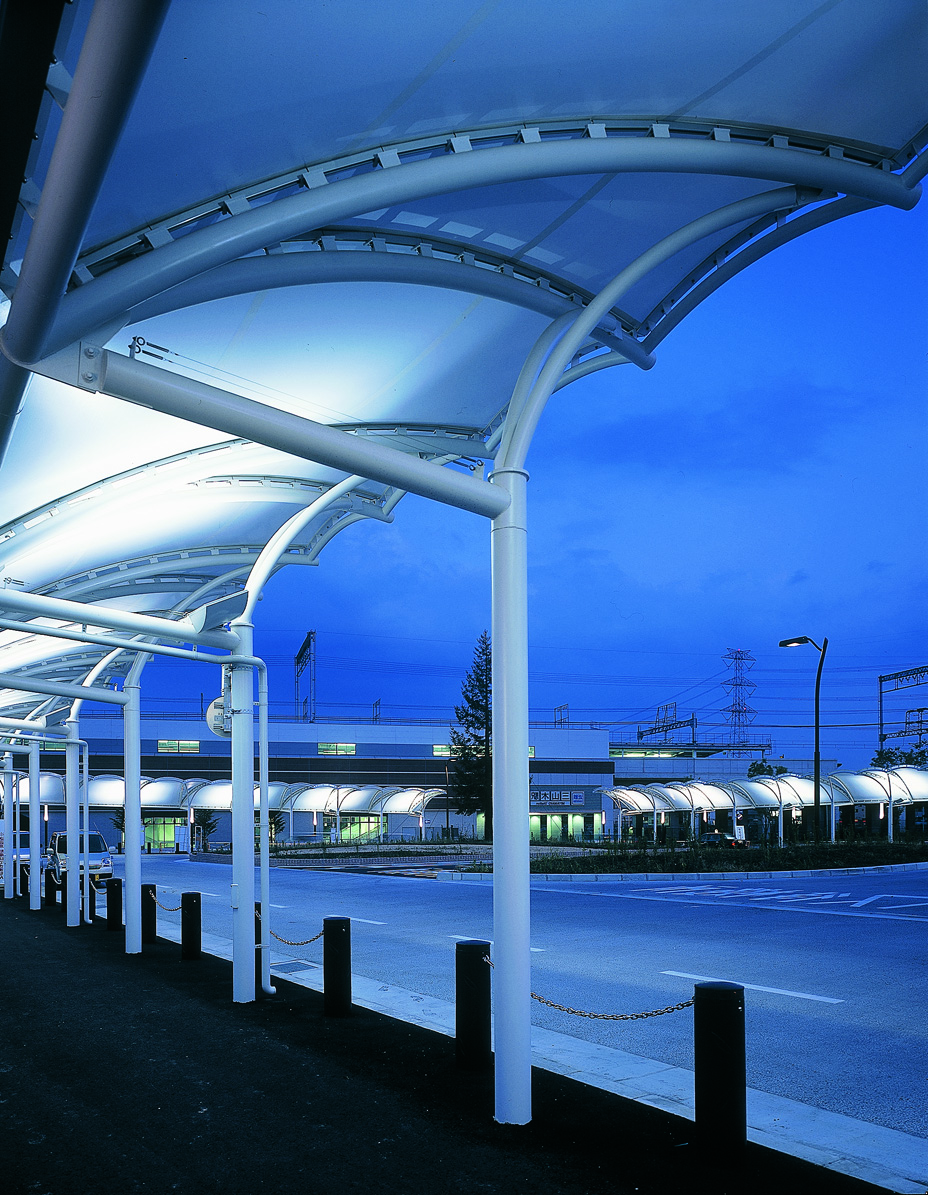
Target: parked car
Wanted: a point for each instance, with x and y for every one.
(720, 838)
(99, 857)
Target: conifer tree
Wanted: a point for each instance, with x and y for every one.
(471, 786)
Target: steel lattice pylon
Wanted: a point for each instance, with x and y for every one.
(740, 714)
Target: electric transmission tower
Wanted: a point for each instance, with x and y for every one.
(740, 688)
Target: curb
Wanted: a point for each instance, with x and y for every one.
(593, 877)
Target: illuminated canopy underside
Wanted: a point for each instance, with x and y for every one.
(368, 222)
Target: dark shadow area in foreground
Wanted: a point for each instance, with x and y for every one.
(138, 1074)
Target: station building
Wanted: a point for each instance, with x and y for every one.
(380, 781)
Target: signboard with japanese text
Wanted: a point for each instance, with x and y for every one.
(564, 798)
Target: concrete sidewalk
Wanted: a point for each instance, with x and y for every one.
(138, 1074)
(892, 1160)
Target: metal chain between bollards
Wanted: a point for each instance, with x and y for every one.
(167, 908)
(606, 1016)
(287, 942)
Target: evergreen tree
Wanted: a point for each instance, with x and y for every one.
(760, 767)
(471, 786)
(207, 821)
(895, 757)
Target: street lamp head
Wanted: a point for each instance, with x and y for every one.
(800, 639)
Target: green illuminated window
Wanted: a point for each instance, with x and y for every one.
(441, 750)
(336, 748)
(178, 746)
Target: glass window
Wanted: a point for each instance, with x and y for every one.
(167, 745)
(336, 748)
(188, 746)
(531, 752)
(441, 750)
(95, 844)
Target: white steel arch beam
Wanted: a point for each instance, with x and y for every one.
(109, 296)
(270, 557)
(662, 323)
(519, 285)
(101, 258)
(518, 432)
(117, 46)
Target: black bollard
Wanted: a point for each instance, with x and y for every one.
(114, 903)
(258, 990)
(90, 914)
(190, 923)
(336, 966)
(148, 847)
(51, 888)
(149, 915)
(472, 1006)
(719, 1061)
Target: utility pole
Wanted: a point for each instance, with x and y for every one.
(305, 657)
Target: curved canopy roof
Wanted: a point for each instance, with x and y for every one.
(368, 223)
(873, 786)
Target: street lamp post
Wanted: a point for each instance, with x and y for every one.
(816, 756)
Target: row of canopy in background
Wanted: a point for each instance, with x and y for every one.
(767, 794)
(168, 795)
(904, 785)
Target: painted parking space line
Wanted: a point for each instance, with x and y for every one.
(367, 921)
(768, 904)
(755, 987)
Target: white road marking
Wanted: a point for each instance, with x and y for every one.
(755, 987)
(686, 897)
(367, 921)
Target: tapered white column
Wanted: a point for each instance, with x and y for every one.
(8, 826)
(35, 828)
(72, 750)
(243, 823)
(132, 768)
(511, 914)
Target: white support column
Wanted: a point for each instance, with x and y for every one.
(264, 831)
(85, 836)
(511, 910)
(35, 828)
(72, 749)
(132, 767)
(243, 823)
(18, 832)
(7, 826)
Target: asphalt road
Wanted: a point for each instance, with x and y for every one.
(833, 968)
